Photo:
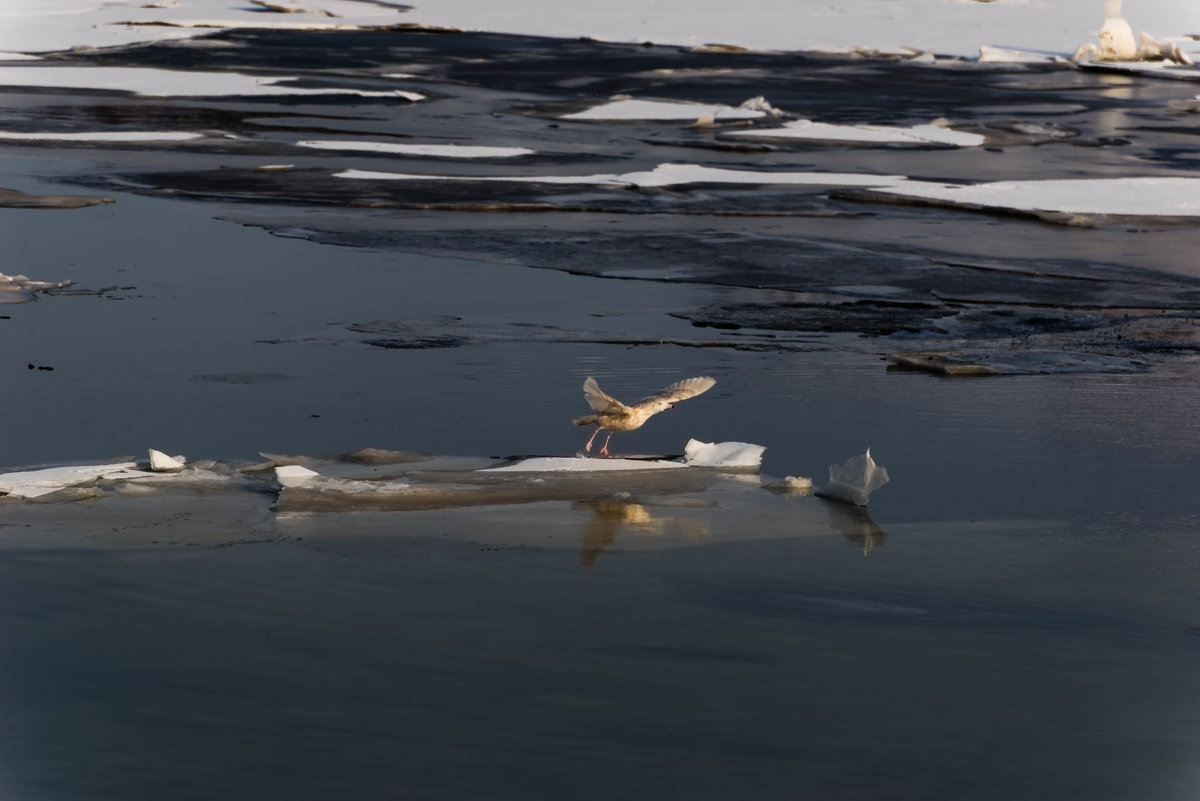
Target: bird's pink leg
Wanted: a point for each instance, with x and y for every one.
(588, 447)
(604, 450)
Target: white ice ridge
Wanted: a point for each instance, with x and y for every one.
(101, 136)
(405, 149)
(662, 175)
(729, 455)
(932, 133)
(154, 82)
(35, 483)
(1158, 197)
(629, 109)
(951, 28)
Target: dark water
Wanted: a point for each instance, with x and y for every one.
(1020, 620)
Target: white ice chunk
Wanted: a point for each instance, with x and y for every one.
(293, 475)
(32, 483)
(161, 463)
(722, 454)
(854, 480)
(1001, 55)
(405, 149)
(154, 82)
(873, 134)
(662, 175)
(100, 136)
(1159, 197)
(625, 108)
(555, 464)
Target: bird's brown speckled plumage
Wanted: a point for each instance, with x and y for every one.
(612, 415)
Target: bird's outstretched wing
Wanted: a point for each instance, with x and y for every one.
(682, 390)
(599, 400)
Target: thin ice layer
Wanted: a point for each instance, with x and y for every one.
(928, 134)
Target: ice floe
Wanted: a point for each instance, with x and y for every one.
(662, 175)
(1118, 197)
(154, 82)
(934, 133)
(100, 136)
(854, 480)
(431, 150)
(37, 483)
(634, 110)
(20, 288)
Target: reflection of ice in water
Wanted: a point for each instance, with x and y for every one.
(856, 525)
(620, 514)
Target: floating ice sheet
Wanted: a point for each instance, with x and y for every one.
(662, 110)
(100, 136)
(35, 483)
(662, 175)
(433, 150)
(929, 134)
(153, 82)
(1158, 197)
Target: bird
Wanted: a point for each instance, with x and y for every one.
(612, 415)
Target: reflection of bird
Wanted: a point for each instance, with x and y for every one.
(613, 416)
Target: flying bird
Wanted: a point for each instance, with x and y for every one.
(612, 415)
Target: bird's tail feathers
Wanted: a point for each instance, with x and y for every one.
(587, 419)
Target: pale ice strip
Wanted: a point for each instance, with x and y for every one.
(874, 134)
(696, 454)
(101, 136)
(5, 56)
(153, 82)
(437, 151)
(953, 28)
(1159, 69)
(662, 175)
(579, 464)
(628, 109)
(1160, 197)
(34, 483)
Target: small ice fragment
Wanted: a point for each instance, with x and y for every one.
(722, 454)
(759, 103)
(293, 475)
(854, 480)
(797, 482)
(161, 463)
